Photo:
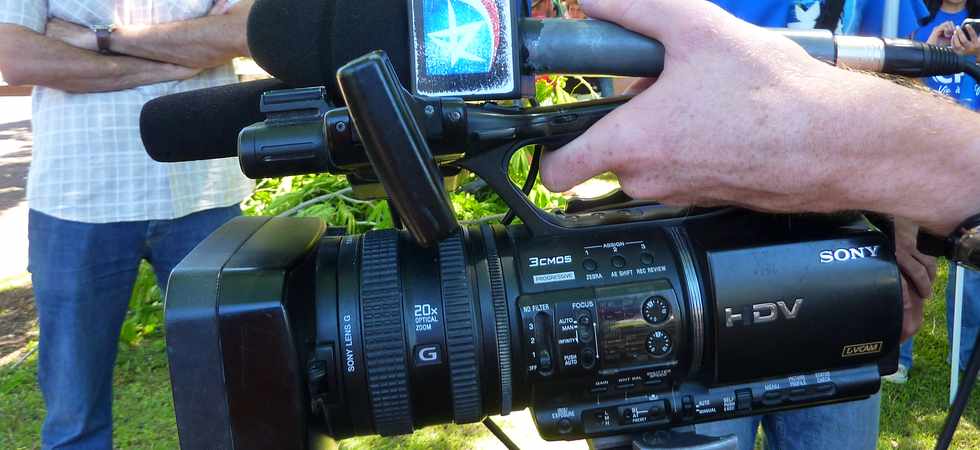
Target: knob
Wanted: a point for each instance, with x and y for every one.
(656, 309)
(659, 343)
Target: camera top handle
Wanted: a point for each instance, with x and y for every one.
(396, 147)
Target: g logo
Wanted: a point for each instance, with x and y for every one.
(427, 355)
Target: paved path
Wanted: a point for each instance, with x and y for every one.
(15, 156)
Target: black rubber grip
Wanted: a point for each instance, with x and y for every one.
(384, 335)
(462, 334)
(501, 321)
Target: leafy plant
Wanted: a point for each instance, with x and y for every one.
(145, 316)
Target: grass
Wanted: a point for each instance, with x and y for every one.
(911, 414)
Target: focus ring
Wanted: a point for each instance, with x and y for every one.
(461, 333)
(501, 320)
(383, 331)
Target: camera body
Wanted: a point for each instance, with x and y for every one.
(282, 333)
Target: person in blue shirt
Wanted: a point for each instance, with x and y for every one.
(852, 425)
(942, 26)
(863, 17)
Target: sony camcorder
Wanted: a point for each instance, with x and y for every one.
(609, 320)
(613, 318)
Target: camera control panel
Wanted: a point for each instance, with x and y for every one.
(605, 340)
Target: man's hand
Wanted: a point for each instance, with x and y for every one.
(965, 41)
(918, 274)
(745, 142)
(72, 34)
(745, 117)
(29, 58)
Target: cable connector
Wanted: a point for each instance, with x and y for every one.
(916, 59)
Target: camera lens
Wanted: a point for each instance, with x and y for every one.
(421, 335)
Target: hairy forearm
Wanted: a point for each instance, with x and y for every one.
(201, 43)
(917, 158)
(29, 58)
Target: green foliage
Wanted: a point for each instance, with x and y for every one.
(145, 316)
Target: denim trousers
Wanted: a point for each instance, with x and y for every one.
(83, 277)
(851, 426)
(971, 312)
(971, 317)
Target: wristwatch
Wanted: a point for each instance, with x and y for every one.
(962, 246)
(103, 34)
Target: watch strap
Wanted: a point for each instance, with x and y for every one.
(103, 37)
(961, 246)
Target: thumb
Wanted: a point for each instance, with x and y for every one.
(666, 20)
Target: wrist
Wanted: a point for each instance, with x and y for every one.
(901, 169)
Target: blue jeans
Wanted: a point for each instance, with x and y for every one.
(83, 277)
(905, 353)
(851, 426)
(971, 312)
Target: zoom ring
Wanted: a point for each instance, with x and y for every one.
(501, 320)
(384, 337)
(461, 332)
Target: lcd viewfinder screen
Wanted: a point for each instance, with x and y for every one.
(464, 48)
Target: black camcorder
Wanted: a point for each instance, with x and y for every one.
(610, 320)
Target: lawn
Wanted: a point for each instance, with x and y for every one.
(911, 414)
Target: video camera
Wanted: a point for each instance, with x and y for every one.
(609, 320)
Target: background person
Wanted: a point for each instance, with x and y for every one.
(98, 204)
(942, 27)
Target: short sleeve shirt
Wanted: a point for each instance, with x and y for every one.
(88, 162)
(960, 86)
(857, 16)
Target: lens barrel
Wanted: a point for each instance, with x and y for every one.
(422, 334)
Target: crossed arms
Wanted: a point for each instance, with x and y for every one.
(65, 57)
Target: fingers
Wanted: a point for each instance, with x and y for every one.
(972, 34)
(915, 273)
(666, 20)
(913, 308)
(578, 160)
(957, 41)
(639, 86)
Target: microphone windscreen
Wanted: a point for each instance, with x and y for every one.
(204, 123)
(304, 42)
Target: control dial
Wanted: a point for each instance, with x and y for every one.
(656, 309)
(659, 343)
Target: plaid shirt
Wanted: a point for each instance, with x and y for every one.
(89, 164)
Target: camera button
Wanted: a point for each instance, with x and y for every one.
(823, 389)
(587, 358)
(653, 382)
(797, 394)
(772, 398)
(590, 265)
(625, 386)
(564, 426)
(646, 258)
(618, 262)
